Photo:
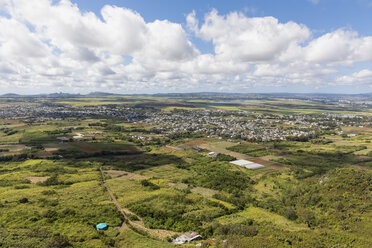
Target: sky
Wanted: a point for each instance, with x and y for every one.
(164, 46)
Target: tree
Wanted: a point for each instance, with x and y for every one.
(290, 213)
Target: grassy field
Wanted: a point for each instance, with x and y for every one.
(262, 216)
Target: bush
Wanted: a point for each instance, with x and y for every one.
(23, 200)
(68, 211)
(290, 213)
(53, 180)
(49, 214)
(307, 217)
(224, 157)
(57, 241)
(132, 217)
(147, 183)
(21, 187)
(49, 192)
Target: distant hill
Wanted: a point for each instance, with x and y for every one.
(98, 93)
(60, 95)
(204, 95)
(10, 95)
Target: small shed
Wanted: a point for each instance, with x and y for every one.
(102, 226)
(212, 154)
(63, 139)
(187, 237)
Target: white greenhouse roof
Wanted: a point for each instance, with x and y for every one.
(247, 164)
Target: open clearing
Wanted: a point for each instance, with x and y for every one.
(34, 180)
(220, 147)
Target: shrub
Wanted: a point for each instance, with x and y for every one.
(290, 213)
(68, 211)
(224, 157)
(23, 200)
(147, 183)
(307, 217)
(49, 192)
(21, 187)
(49, 213)
(53, 180)
(132, 217)
(57, 241)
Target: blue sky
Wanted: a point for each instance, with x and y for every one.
(324, 15)
(321, 16)
(186, 46)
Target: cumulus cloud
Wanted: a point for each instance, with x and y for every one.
(53, 45)
(363, 77)
(341, 46)
(238, 37)
(18, 42)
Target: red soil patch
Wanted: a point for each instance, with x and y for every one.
(45, 153)
(129, 148)
(196, 142)
(89, 148)
(24, 126)
(11, 122)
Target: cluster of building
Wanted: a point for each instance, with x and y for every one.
(239, 124)
(45, 112)
(223, 123)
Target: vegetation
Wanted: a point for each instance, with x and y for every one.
(313, 191)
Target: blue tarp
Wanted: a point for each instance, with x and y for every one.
(101, 226)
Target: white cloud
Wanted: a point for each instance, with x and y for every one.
(53, 45)
(363, 77)
(238, 37)
(166, 40)
(340, 46)
(18, 42)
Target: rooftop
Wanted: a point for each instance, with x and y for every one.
(247, 164)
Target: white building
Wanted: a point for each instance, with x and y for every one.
(187, 237)
(247, 164)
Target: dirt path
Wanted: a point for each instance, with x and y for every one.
(113, 199)
(138, 224)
